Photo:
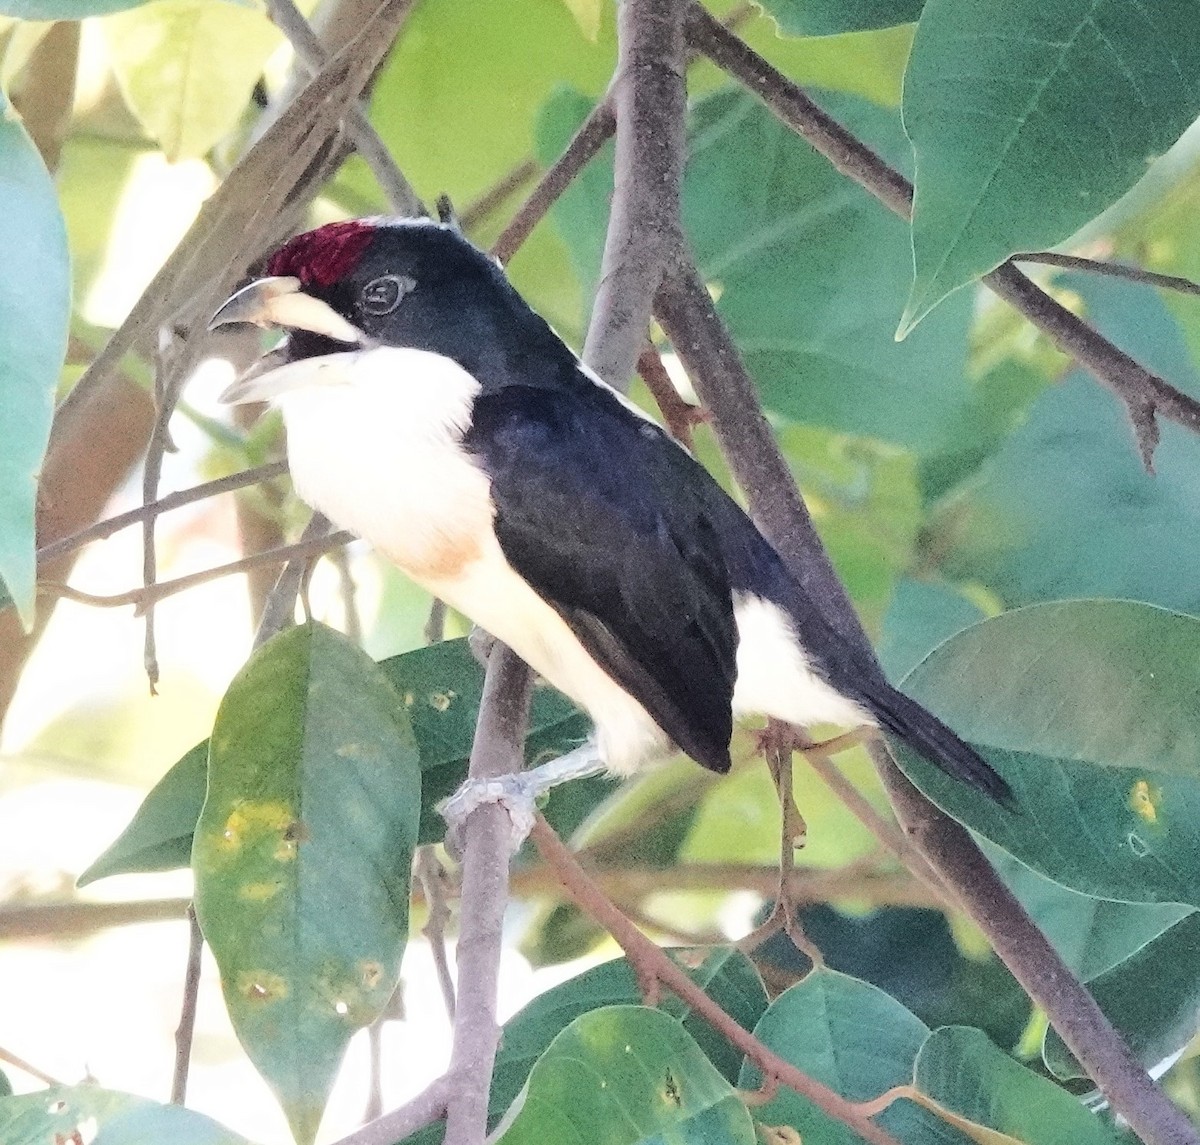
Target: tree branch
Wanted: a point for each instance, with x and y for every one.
(497, 750)
(102, 529)
(140, 597)
(422, 1110)
(686, 313)
(646, 955)
(585, 144)
(1111, 269)
(650, 100)
(308, 47)
(1144, 393)
(187, 1016)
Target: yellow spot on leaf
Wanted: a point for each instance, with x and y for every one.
(370, 973)
(262, 986)
(441, 701)
(1143, 801)
(259, 892)
(248, 821)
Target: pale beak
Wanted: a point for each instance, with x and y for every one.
(281, 302)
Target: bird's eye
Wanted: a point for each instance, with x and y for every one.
(382, 295)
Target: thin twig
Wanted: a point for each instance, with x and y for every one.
(435, 626)
(187, 1015)
(1111, 269)
(497, 750)
(650, 100)
(280, 610)
(1144, 394)
(102, 529)
(585, 144)
(308, 47)
(678, 414)
(433, 884)
(165, 588)
(422, 1110)
(686, 312)
(645, 954)
(820, 759)
(478, 211)
(11, 1059)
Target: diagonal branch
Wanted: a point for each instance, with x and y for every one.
(1144, 393)
(646, 955)
(308, 47)
(650, 101)
(686, 312)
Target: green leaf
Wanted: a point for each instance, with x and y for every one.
(1153, 999)
(34, 312)
(1092, 935)
(187, 68)
(848, 1035)
(1028, 119)
(829, 17)
(1065, 508)
(302, 857)
(759, 202)
(62, 9)
(911, 954)
(159, 837)
(1088, 708)
(921, 616)
(63, 1112)
(441, 687)
(963, 1072)
(725, 974)
(626, 1074)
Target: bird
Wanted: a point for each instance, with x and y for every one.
(431, 411)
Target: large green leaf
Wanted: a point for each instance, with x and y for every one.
(623, 1075)
(303, 856)
(35, 304)
(963, 1072)
(187, 68)
(1092, 935)
(809, 271)
(1065, 508)
(1153, 998)
(1090, 711)
(853, 1038)
(440, 686)
(921, 616)
(63, 1113)
(1028, 119)
(829, 17)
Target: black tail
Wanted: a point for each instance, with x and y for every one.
(925, 733)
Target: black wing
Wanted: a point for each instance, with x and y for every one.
(597, 510)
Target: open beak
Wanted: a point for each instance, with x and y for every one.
(280, 302)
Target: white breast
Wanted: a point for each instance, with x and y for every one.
(374, 442)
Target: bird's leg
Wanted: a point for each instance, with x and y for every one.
(519, 792)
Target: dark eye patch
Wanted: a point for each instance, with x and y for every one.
(382, 295)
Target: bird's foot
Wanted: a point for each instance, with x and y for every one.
(517, 793)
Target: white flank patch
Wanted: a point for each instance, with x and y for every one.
(773, 674)
(374, 442)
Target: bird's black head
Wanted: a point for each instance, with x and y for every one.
(409, 282)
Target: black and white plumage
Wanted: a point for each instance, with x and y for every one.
(432, 412)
